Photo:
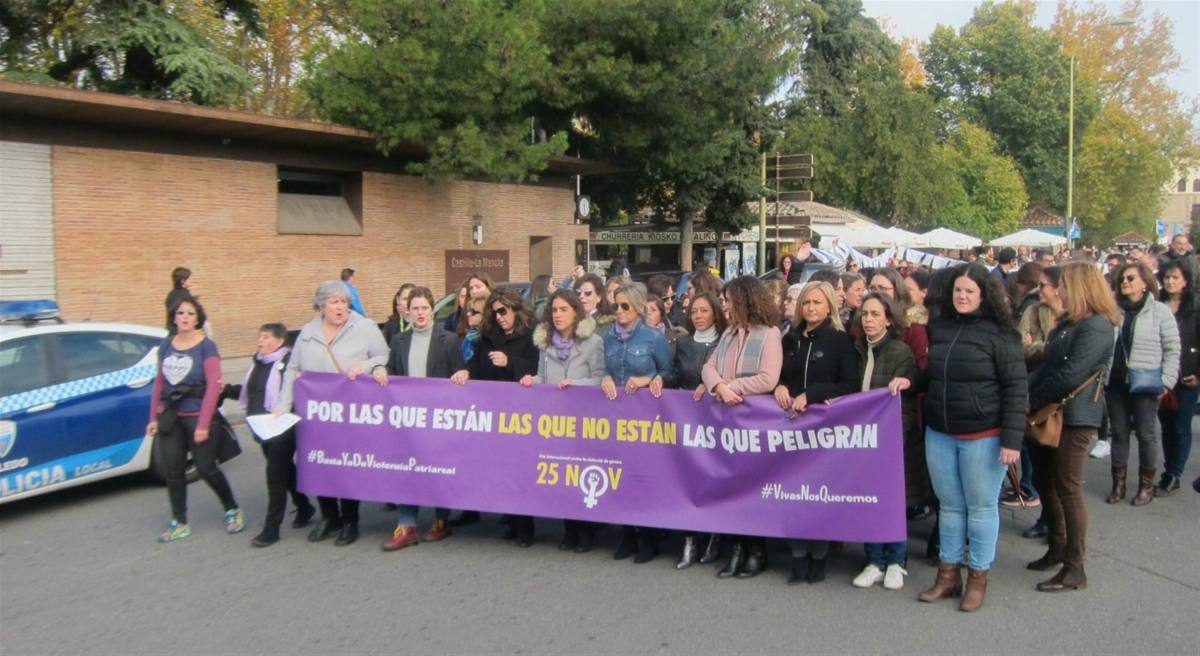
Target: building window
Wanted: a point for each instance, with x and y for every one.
(1182, 185)
(1196, 214)
(1196, 185)
(316, 202)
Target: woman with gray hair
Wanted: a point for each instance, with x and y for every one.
(635, 356)
(339, 341)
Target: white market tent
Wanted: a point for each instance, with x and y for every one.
(1029, 237)
(870, 236)
(946, 239)
(903, 237)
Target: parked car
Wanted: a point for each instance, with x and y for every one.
(809, 269)
(74, 399)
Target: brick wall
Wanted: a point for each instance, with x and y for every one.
(123, 220)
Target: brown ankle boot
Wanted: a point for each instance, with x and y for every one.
(1145, 493)
(976, 590)
(1068, 578)
(1118, 491)
(948, 583)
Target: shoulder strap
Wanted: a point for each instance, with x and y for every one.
(333, 357)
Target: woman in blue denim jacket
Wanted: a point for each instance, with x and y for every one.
(635, 356)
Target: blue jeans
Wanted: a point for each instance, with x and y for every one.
(1177, 430)
(882, 554)
(966, 476)
(1027, 487)
(408, 514)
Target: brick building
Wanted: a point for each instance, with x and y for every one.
(102, 195)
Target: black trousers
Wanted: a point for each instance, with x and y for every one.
(280, 454)
(174, 446)
(339, 510)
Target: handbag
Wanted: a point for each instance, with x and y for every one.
(1169, 402)
(1141, 381)
(1045, 424)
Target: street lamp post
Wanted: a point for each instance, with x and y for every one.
(1068, 220)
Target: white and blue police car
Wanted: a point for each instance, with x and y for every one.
(74, 399)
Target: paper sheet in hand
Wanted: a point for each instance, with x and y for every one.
(268, 426)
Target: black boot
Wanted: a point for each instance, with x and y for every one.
(690, 552)
(324, 529)
(816, 571)
(586, 534)
(799, 570)
(712, 551)
(268, 537)
(736, 557)
(348, 534)
(570, 540)
(304, 515)
(647, 546)
(756, 561)
(628, 544)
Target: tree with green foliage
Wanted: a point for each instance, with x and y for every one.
(1119, 177)
(673, 92)
(1012, 78)
(993, 194)
(135, 47)
(461, 79)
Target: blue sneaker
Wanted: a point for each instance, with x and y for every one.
(175, 531)
(234, 522)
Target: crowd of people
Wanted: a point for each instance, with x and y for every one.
(971, 350)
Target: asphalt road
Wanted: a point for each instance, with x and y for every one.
(81, 572)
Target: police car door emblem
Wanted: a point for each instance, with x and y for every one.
(8, 437)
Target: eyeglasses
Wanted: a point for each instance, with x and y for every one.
(587, 292)
(190, 313)
(624, 307)
(1129, 278)
(473, 313)
(500, 311)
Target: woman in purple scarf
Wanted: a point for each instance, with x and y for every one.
(571, 355)
(257, 395)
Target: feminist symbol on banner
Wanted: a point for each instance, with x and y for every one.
(594, 483)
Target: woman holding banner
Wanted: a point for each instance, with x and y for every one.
(635, 356)
(426, 350)
(572, 354)
(745, 362)
(705, 325)
(975, 421)
(343, 342)
(506, 353)
(819, 363)
(882, 357)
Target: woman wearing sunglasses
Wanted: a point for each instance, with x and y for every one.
(590, 289)
(635, 356)
(506, 353)
(1145, 366)
(572, 354)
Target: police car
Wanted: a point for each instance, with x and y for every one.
(74, 399)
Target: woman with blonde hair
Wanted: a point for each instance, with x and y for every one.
(1077, 353)
(819, 363)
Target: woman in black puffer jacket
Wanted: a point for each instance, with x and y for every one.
(975, 421)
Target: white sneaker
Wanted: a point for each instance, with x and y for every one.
(1101, 449)
(868, 577)
(894, 578)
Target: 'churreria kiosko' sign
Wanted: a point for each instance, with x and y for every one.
(835, 472)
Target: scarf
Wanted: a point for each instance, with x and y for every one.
(624, 333)
(469, 342)
(661, 328)
(271, 393)
(706, 337)
(870, 368)
(561, 345)
(750, 350)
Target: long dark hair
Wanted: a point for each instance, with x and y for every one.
(1187, 297)
(598, 287)
(891, 310)
(994, 301)
(569, 297)
(718, 315)
(403, 288)
(513, 301)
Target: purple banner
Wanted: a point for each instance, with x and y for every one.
(835, 472)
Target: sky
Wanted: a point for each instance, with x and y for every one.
(917, 18)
